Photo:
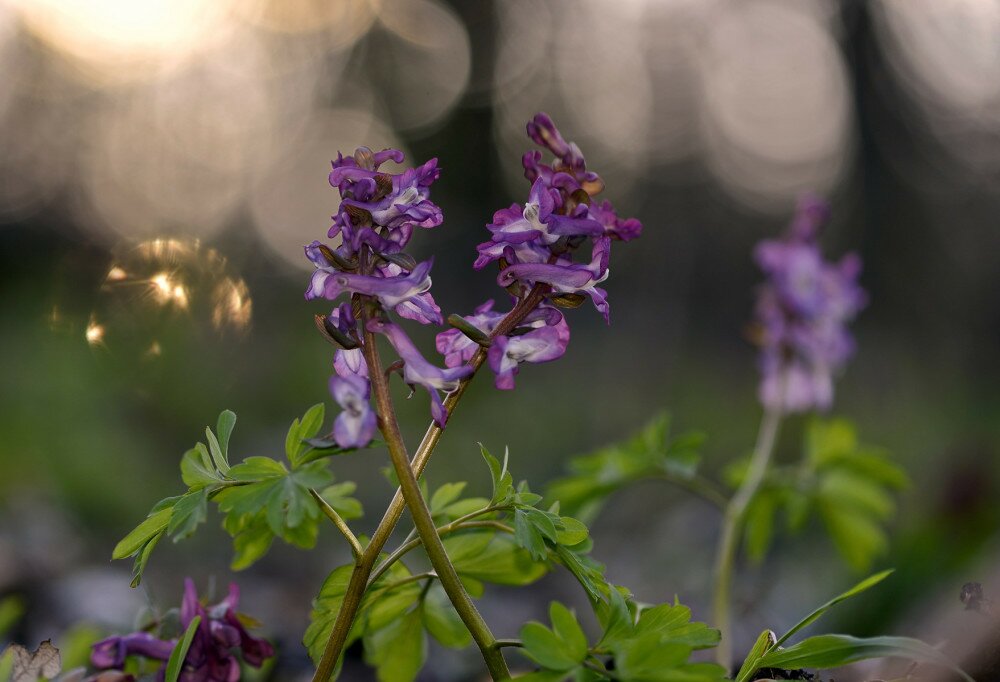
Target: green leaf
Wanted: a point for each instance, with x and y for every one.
(829, 439)
(197, 470)
(251, 542)
(565, 627)
(177, 656)
(142, 558)
(588, 572)
(325, 609)
(445, 495)
(672, 623)
(500, 562)
(339, 497)
(759, 523)
(647, 658)
(831, 651)
(572, 532)
(218, 457)
(464, 547)
(283, 496)
(154, 524)
(765, 641)
(503, 482)
(532, 527)
(858, 537)
(564, 647)
(398, 650)
(224, 429)
(865, 584)
(312, 420)
(302, 430)
(188, 511)
(442, 620)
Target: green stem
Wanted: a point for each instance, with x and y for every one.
(364, 566)
(339, 522)
(509, 643)
(732, 526)
(421, 515)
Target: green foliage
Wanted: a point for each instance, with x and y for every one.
(848, 486)
(831, 651)
(262, 498)
(652, 453)
(655, 645)
(562, 648)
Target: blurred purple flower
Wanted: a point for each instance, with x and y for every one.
(355, 426)
(802, 314)
(418, 372)
(211, 656)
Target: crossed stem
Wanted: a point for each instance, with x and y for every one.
(365, 563)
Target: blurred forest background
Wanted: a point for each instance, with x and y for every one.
(163, 162)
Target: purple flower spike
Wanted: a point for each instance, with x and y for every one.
(802, 314)
(539, 345)
(355, 425)
(418, 372)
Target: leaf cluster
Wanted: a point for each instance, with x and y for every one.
(850, 487)
(262, 498)
(652, 644)
(651, 453)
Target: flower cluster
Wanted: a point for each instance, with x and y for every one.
(802, 314)
(212, 654)
(534, 246)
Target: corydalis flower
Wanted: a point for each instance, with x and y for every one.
(374, 201)
(568, 279)
(328, 282)
(543, 344)
(802, 314)
(418, 372)
(355, 426)
(212, 654)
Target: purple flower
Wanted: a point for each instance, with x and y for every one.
(616, 228)
(350, 363)
(569, 169)
(538, 345)
(802, 314)
(111, 652)
(571, 278)
(391, 291)
(211, 656)
(456, 347)
(417, 371)
(393, 204)
(420, 307)
(355, 426)
(538, 222)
